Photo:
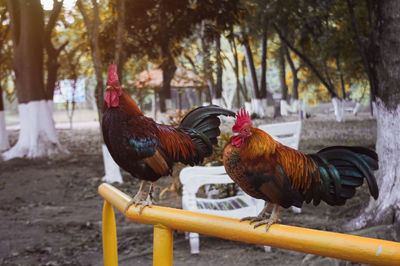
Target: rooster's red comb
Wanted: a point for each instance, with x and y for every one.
(242, 119)
(112, 77)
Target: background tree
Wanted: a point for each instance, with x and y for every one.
(318, 33)
(37, 136)
(92, 23)
(70, 71)
(52, 62)
(258, 13)
(157, 27)
(5, 69)
(387, 68)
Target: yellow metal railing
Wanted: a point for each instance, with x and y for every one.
(336, 245)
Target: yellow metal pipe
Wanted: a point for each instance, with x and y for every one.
(110, 252)
(162, 246)
(330, 244)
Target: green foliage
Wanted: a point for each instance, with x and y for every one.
(321, 31)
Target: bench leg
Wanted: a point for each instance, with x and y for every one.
(194, 243)
(296, 210)
(267, 248)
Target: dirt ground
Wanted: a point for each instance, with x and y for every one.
(50, 212)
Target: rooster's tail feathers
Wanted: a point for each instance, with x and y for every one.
(342, 170)
(202, 125)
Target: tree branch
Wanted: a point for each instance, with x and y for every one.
(84, 15)
(361, 48)
(307, 61)
(53, 18)
(14, 11)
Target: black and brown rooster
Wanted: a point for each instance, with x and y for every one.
(148, 150)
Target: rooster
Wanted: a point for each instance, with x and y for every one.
(282, 176)
(148, 150)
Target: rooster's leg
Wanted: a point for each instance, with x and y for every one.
(149, 200)
(137, 199)
(271, 220)
(261, 216)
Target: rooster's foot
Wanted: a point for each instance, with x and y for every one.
(148, 202)
(268, 222)
(137, 199)
(271, 220)
(253, 219)
(261, 216)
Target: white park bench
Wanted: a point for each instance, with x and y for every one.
(239, 206)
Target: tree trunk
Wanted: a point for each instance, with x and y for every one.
(341, 78)
(168, 68)
(284, 105)
(295, 79)
(207, 67)
(251, 67)
(282, 72)
(52, 53)
(218, 85)
(37, 135)
(92, 26)
(1, 99)
(263, 79)
(244, 87)
(4, 144)
(387, 208)
(264, 50)
(120, 55)
(257, 102)
(239, 88)
(338, 108)
(367, 48)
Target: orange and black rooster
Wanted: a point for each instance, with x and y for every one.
(266, 169)
(148, 150)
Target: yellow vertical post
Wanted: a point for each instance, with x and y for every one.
(110, 252)
(162, 246)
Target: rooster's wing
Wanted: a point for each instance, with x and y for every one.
(269, 179)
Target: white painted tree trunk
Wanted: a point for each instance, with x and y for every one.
(374, 109)
(113, 174)
(284, 108)
(338, 107)
(386, 208)
(248, 107)
(4, 144)
(168, 104)
(259, 106)
(356, 108)
(37, 135)
(295, 106)
(218, 101)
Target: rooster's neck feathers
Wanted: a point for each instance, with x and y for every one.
(258, 144)
(128, 105)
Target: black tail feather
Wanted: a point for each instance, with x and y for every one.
(368, 155)
(343, 169)
(202, 125)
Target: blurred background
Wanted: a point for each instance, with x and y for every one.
(331, 64)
